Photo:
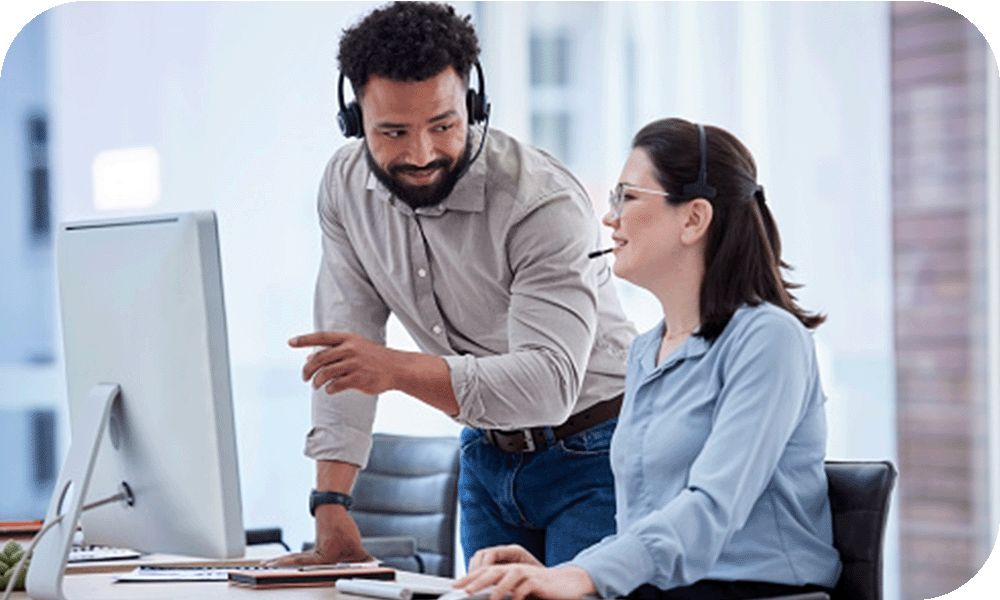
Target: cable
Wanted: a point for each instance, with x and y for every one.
(482, 142)
(38, 536)
(27, 554)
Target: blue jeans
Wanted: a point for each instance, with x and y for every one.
(554, 502)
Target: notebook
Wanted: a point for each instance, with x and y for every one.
(305, 577)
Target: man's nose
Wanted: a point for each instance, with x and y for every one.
(421, 149)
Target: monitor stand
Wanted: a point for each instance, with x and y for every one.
(48, 564)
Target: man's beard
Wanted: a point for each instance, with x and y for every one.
(418, 196)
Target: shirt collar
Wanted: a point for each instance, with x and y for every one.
(693, 347)
(468, 195)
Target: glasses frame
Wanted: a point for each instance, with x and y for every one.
(617, 199)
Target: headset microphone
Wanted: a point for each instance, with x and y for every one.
(597, 253)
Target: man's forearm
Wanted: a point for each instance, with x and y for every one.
(337, 535)
(335, 476)
(427, 378)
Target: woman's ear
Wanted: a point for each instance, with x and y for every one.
(698, 218)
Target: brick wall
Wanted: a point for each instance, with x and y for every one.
(939, 199)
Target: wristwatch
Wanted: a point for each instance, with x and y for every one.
(317, 498)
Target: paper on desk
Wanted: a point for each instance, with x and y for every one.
(149, 573)
(146, 574)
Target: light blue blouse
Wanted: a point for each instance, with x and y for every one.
(718, 462)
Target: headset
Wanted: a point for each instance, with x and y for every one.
(694, 189)
(351, 125)
(700, 188)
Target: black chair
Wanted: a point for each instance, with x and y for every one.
(859, 500)
(266, 535)
(405, 502)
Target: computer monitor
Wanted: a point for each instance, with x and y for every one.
(147, 374)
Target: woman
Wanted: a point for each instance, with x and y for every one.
(718, 454)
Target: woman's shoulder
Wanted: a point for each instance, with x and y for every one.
(767, 323)
(770, 349)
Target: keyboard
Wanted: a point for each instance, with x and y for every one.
(81, 554)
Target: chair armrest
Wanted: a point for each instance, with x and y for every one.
(399, 552)
(381, 546)
(265, 535)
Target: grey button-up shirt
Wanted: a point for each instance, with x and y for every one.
(495, 279)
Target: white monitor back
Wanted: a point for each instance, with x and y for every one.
(142, 306)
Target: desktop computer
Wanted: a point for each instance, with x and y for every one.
(153, 443)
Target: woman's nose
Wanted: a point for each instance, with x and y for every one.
(610, 219)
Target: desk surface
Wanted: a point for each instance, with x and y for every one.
(101, 586)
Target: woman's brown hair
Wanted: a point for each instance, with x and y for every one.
(743, 251)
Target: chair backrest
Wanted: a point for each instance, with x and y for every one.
(859, 500)
(409, 488)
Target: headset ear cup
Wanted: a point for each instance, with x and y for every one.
(349, 119)
(473, 106)
(359, 126)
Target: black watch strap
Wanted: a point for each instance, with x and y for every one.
(317, 498)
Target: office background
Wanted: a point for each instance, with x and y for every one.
(874, 125)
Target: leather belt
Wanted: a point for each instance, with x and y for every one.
(533, 438)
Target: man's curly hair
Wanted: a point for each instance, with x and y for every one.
(408, 41)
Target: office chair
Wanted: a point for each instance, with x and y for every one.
(859, 500)
(405, 503)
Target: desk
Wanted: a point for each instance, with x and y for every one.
(101, 586)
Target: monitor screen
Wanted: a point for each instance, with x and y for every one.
(142, 307)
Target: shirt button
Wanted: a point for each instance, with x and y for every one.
(422, 272)
(436, 329)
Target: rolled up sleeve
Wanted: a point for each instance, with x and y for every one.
(551, 324)
(345, 300)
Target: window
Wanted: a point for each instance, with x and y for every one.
(940, 241)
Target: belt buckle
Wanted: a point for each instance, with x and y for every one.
(529, 440)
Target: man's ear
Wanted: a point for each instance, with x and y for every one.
(697, 219)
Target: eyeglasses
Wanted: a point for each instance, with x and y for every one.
(617, 197)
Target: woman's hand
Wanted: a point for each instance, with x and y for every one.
(502, 555)
(523, 580)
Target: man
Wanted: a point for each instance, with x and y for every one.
(482, 257)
